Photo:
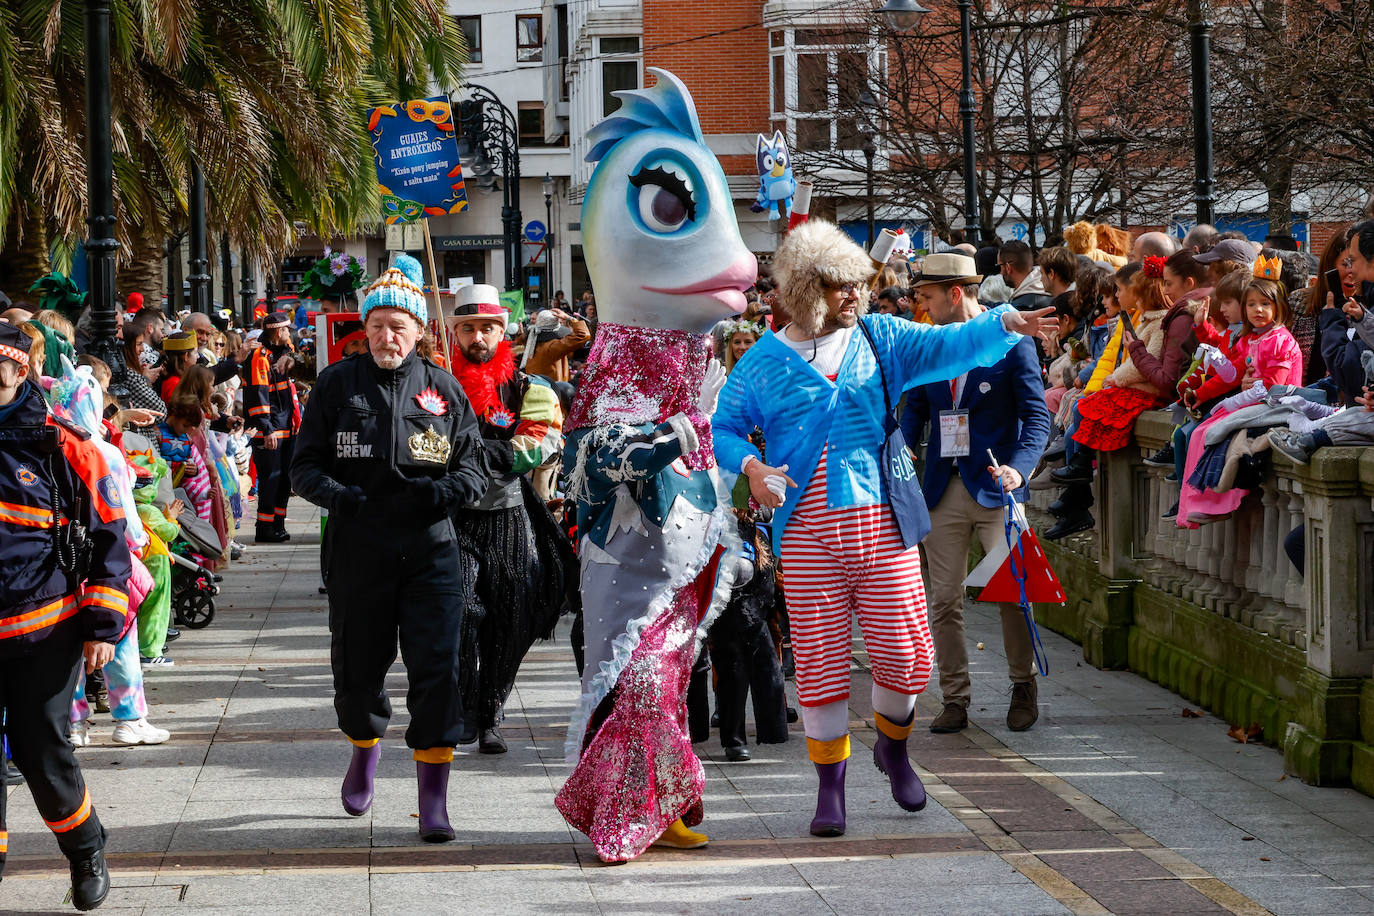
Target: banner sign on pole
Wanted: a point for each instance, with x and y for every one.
(416, 155)
(514, 303)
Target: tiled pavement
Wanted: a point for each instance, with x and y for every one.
(1113, 803)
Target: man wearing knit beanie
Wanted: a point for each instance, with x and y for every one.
(389, 445)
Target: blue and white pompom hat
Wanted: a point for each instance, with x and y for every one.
(399, 287)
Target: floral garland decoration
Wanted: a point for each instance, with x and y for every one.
(334, 276)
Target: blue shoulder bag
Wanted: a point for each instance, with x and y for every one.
(899, 473)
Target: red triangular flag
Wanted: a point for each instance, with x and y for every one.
(1042, 585)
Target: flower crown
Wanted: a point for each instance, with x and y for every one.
(1268, 268)
(1154, 266)
(740, 324)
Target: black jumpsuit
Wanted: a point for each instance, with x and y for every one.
(392, 563)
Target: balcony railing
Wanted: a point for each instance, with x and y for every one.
(1237, 568)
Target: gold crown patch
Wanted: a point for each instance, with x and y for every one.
(430, 446)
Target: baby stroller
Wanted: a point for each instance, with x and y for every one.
(194, 587)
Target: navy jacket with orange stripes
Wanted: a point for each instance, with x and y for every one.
(38, 599)
(267, 398)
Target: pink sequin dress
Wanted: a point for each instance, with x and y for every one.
(652, 531)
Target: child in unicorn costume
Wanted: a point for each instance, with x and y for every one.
(658, 554)
(76, 397)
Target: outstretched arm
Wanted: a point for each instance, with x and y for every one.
(930, 353)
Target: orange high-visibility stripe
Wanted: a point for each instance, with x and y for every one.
(76, 820)
(31, 516)
(46, 616)
(4, 842)
(255, 411)
(110, 598)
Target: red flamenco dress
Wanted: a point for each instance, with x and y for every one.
(1109, 415)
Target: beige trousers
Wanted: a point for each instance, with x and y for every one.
(953, 523)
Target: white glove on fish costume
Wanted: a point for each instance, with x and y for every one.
(710, 388)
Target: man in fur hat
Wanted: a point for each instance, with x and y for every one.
(816, 388)
(511, 546)
(390, 447)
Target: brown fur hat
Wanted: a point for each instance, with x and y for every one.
(814, 255)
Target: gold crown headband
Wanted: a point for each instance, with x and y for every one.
(1268, 268)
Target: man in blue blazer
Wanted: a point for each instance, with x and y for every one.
(999, 409)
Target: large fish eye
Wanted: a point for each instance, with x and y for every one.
(663, 197)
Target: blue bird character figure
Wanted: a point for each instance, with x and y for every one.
(776, 184)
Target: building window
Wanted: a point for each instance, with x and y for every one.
(617, 75)
(623, 45)
(472, 34)
(530, 118)
(817, 76)
(529, 39)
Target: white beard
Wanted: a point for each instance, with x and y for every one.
(388, 362)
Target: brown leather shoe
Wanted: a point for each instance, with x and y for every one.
(954, 718)
(1024, 709)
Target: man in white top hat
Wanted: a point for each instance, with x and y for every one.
(511, 546)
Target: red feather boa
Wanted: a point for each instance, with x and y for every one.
(482, 381)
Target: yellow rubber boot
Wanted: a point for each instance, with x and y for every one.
(680, 836)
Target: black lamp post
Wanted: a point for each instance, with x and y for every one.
(101, 245)
(1199, 30)
(870, 149)
(247, 292)
(226, 273)
(548, 235)
(490, 130)
(199, 277)
(906, 15)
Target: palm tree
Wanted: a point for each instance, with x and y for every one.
(269, 96)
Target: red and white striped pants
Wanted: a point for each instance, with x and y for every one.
(838, 562)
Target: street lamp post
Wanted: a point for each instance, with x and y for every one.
(548, 235)
(489, 126)
(226, 273)
(870, 149)
(101, 245)
(247, 292)
(972, 223)
(200, 261)
(906, 15)
(1199, 29)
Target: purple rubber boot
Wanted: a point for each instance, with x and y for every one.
(889, 755)
(357, 785)
(829, 819)
(433, 780)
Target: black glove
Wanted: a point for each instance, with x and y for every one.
(348, 503)
(420, 496)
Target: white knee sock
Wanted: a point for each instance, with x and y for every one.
(828, 722)
(895, 707)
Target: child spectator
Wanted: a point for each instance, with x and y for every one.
(187, 466)
(1271, 357)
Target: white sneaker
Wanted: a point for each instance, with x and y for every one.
(138, 731)
(80, 734)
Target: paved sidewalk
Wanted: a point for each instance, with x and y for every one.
(1113, 803)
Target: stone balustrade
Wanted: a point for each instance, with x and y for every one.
(1220, 614)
